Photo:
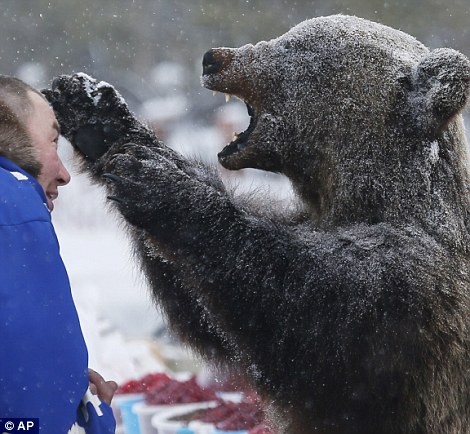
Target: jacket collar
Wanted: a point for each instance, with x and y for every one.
(22, 175)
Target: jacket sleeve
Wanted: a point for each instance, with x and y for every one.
(94, 416)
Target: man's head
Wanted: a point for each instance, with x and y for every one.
(29, 134)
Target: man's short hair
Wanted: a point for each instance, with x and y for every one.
(15, 108)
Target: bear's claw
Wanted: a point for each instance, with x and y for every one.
(112, 177)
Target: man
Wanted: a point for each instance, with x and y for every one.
(43, 357)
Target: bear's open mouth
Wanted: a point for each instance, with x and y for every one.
(240, 140)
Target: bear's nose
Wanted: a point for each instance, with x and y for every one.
(210, 65)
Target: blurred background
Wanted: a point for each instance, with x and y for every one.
(151, 51)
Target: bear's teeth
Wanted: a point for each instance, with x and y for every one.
(214, 93)
(234, 136)
(227, 97)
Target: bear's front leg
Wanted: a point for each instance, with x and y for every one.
(153, 193)
(132, 180)
(142, 178)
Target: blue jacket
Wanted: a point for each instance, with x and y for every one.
(43, 356)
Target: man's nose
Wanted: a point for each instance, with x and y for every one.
(64, 175)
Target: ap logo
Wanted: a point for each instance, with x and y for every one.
(19, 425)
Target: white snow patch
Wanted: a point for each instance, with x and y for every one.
(103, 84)
(90, 88)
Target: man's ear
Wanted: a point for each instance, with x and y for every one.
(440, 85)
(16, 144)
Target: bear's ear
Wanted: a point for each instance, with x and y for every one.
(441, 86)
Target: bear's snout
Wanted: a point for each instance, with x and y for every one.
(216, 60)
(210, 65)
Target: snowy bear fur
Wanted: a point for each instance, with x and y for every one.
(352, 314)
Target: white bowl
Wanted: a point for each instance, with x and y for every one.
(161, 421)
(145, 412)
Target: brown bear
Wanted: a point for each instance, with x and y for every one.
(350, 314)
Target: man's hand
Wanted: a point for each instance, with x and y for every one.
(98, 386)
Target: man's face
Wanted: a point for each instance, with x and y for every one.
(43, 129)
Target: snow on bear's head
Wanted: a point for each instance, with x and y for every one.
(333, 88)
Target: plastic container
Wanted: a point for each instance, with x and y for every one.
(119, 430)
(229, 432)
(145, 412)
(130, 421)
(115, 404)
(164, 425)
